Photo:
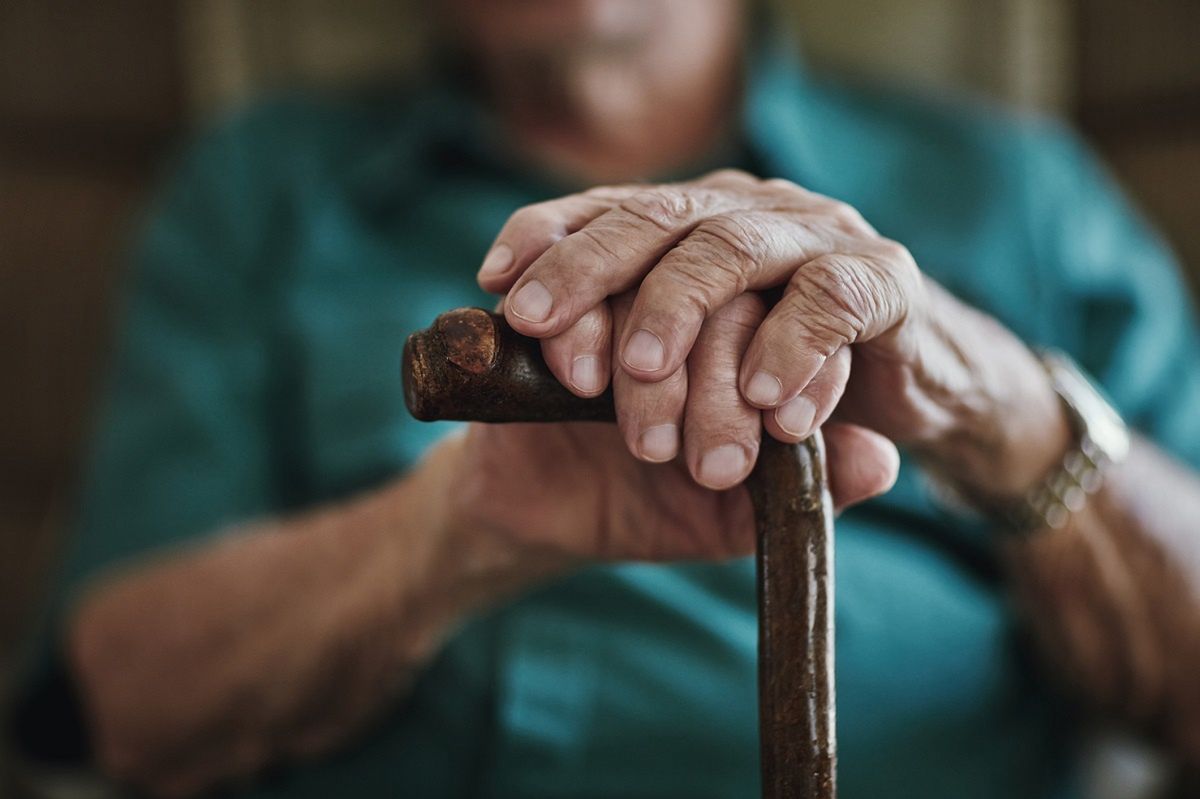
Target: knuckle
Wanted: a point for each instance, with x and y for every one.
(663, 401)
(608, 193)
(664, 207)
(835, 296)
(729, 176)
(719, 260)
(782, 183)
(798, 328)
(847, 216)
(735, 240)
(900, 269)
(827, 386)
(793, 190)
(600, 244)
(591, 329)
(679, 287)
(705, 284)
(538, 216)
(640, 404)
(895, 252)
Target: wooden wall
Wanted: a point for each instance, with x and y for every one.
(1138, 100)
(89, 96)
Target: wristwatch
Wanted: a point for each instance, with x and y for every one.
(1101, 441)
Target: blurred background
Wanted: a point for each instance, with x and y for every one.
(94, 95)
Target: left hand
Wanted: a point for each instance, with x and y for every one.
(927, 370)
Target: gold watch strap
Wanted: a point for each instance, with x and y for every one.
(1102, 441)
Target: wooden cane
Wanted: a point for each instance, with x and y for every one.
(471, 366)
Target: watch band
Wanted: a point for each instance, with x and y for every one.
(1102, 441)
(1051, 503)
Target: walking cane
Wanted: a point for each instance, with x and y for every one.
(471, 366)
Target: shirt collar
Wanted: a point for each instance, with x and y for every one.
(441, 126)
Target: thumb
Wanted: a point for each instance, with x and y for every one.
(862, 463)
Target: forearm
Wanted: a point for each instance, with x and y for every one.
(274, 640)
(1114, 598)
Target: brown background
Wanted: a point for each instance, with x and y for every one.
(93, 94)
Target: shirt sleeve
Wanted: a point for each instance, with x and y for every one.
(182, 442)
(1120, 304)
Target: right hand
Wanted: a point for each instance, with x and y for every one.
(569, 493)
(562, 494)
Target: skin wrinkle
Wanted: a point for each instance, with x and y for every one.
(842, 300)
(723, 342)
(700, 269)
(682, 291)
(743, 237)
(665, 208)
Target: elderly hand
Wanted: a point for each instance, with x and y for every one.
(636, 282)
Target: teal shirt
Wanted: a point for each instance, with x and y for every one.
(257, 373)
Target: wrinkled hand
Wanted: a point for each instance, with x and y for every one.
(658, 288)
(552, 495)
(695, 347)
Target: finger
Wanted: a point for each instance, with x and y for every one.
(609, 255)
(649, 415)
(722, 431)
(736, 179)
(798, 417)
(862, 463)
(830, 302)
(828, 211)
(531, 230)
(580, 356)
(725, 255)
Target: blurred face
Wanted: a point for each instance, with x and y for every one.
(604, 69)
(508, 28)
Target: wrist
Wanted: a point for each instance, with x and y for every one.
(998, 462)
(1007, 427)
(401, 581)
(463, 565)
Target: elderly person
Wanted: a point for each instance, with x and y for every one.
(282, 585)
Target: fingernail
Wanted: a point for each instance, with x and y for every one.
(533, 302)
(796, 416)
(585, 373)
(659, 443)
(723, 465)
(644, 351)
(498, 259)
(764, 389)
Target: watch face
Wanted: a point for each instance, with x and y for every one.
(1098, 419)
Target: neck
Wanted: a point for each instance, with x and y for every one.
(632, 142)
(597, 119)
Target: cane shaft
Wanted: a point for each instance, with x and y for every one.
(796, 705)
